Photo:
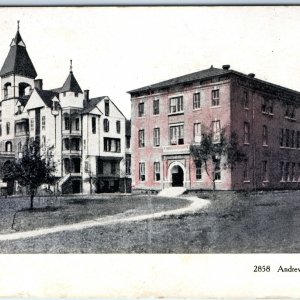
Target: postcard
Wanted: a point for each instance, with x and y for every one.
(150, 152)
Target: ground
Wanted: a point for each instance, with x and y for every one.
(232, 223)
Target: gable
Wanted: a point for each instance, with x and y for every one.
(113, 109)
(34, 101)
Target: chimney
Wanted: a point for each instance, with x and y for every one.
(251, 75)
(86, 95)
(38, 84)
(226, 67)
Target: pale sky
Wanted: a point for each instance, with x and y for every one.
(115, 49)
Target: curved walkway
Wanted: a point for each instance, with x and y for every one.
(196, 204)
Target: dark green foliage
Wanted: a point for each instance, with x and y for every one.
(32, 170)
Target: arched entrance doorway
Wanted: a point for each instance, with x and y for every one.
(177, 175)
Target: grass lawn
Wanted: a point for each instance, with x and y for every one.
(51, 211)
(234, 223)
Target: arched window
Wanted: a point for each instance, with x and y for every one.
(6, 90)
(24, 89)
(8, 147)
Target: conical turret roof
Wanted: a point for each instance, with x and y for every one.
(71, 84)
(18, 61)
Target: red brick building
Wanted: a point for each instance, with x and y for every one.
(169, 116)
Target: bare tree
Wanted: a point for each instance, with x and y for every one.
(217, 151)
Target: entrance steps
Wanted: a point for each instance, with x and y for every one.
(172, 192)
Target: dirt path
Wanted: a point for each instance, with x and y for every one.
(196, 204)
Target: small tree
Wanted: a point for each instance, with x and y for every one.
(212, 149)
(32, 170)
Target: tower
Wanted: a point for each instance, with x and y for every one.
(17, 81)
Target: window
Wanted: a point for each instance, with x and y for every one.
(196, 100)
(106, 108)
(43, 122)
(76, 94)
(282, 137)
(215, 100)
(0, 115)
(67, 144)
(106, 125)
(298, 140)
(156, 107)
(290, 111)
(216, 131)
(271, 106)
(8, 147)
(265, 170)
(67, 123)
(142, 171)
(197, 132)
(156, 137)
(118, 126)
(7, 128)
(292, 138)
(93, 125)
(157, 171)
(287, 138)
(141, 108)
(64, 94)
(0, 130)
(75, 143)
(198, 164)
(128, 165)
(246, 99)
(112, 145)
(293, 177)
(176, 104)
(265, 135)
(264, 105)
(281, 171)
(43, 141)
(176, 135)
(141, 138)
(77, 124)
(217, 172)
(246, 171)
(113, 167)
(287, 172)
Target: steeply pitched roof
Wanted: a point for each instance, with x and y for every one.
(183, 79)
(47, 96)
(91, 104)
(18, 61)
(71, 85)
